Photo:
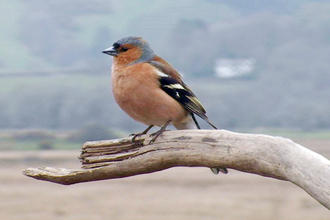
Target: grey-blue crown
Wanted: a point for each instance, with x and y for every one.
(147, 53)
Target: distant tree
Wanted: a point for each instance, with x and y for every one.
(92, 132)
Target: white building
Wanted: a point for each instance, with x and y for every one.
(229, 68)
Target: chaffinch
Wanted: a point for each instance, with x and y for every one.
(151, 91)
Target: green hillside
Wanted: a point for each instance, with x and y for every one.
(53, 74)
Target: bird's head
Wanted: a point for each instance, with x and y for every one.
(130, 50)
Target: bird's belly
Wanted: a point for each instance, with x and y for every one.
(150, 107)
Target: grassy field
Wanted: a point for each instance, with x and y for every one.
(21, 140)
(177, 193)
(37, 145)
(293, 134)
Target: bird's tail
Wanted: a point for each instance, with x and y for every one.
(193, 124)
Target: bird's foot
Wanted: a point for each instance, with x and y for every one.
(135, 136)
(140, 134)
(217, 170)
(158, 133)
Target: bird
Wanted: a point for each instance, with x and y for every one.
(151, 91)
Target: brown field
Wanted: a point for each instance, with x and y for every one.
(178, 193)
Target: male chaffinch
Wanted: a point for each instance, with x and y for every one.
(150, 90)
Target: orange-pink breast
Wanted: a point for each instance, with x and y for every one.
(136, 90)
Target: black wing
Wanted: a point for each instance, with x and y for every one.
(181, 93)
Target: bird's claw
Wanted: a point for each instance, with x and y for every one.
(135, 136)
(156, 135)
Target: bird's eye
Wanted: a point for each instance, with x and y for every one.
(124, 49)
(116, 45)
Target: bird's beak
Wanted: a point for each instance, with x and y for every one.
(110, 51)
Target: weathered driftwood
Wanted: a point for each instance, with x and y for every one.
(264, 155)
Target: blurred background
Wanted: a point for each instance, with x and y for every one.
(257, 66)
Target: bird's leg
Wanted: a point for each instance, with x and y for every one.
(161, 130)
(142, 133)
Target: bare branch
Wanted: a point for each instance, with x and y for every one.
(264, 155)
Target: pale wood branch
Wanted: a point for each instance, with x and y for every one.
(264, 155)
